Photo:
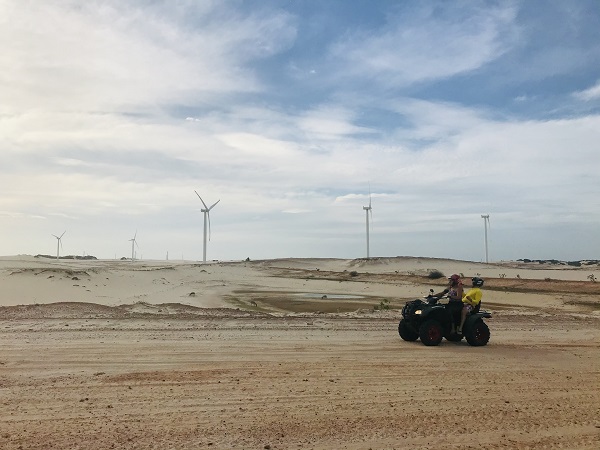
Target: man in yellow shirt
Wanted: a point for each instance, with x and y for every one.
(470, 299)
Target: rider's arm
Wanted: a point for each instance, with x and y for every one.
(472, 297)
(469, 300)
(441, 294)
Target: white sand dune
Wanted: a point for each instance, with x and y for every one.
(30, 280)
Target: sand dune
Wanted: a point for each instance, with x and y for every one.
(29, 280)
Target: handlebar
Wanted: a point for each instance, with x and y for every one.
(432, 300)
(433, 296)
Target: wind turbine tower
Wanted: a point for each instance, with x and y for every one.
(59, 243)
(133, 244)
(206, 211)
(486, 224)
(368, 210)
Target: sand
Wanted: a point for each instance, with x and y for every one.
(291, 354)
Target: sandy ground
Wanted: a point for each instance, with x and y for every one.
(290, 354)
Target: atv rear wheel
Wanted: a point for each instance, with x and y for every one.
(478, 334)
(407, 332)
(431, 333)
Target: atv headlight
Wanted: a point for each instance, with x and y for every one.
(419, 311)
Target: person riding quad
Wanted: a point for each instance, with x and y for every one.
(470, 300)
(455, 294)
(454, 289)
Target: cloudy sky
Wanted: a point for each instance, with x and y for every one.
(290, 112)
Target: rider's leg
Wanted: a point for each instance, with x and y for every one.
(456, 308)
(454, 316)
(463, 317)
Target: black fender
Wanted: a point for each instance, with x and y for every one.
(438, 313)
(482, 315)
(474, 318)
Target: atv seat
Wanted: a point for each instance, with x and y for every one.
(476, 309)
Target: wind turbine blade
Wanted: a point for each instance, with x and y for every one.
(63, 233)
(206, 207)
(56, 236)
(214, 204)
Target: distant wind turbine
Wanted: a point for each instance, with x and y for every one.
(133, 244)
(486, 224)
(206, 211)
(368, 210)
(59, 243)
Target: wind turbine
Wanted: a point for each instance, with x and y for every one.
(133, 244)
(206, 211)
(486, 224)
(368, 209)
(59, 243)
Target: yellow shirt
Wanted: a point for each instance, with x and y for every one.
(473, 296)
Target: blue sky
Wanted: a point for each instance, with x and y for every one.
(113, 112)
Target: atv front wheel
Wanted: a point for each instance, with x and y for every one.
(431, 333)
(478, 334)
(407, 332)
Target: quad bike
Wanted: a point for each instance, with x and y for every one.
(430, 321)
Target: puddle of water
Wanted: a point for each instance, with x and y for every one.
(327, 296)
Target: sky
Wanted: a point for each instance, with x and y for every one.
(295, 115)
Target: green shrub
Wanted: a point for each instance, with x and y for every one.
(384, 304)
(435, 274)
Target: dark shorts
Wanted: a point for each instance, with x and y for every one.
(454, 308)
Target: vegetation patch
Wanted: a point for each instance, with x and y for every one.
(435, 275)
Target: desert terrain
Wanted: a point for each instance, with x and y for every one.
(291, 354)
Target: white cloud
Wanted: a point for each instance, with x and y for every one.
(71, 162)
(330, 122)
(20, 215)
(258, 146)
(430, 42)
(436, 120)
(296, 211)
(589, 94)
(99, 57)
